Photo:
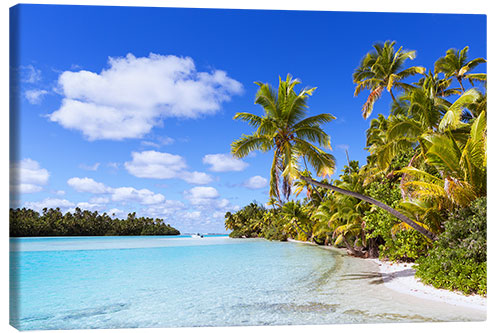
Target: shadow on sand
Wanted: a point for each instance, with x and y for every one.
(377, 277)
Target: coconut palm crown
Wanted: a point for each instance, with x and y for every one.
(381, 69)
(285, 130)
(455, 64)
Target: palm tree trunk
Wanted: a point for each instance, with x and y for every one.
(377, 203)
(353, 251)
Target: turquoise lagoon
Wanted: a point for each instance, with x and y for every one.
(129, 282)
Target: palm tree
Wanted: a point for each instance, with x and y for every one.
(284, 130)
(416, 114)
(461, 167)
(350, 211)
(382, 69)
(437, 87)
(295, 214)
(455, 64)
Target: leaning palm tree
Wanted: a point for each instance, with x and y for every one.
(455, 64)
(284, 130)
(382, 69)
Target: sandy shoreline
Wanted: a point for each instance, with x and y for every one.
(400, 277)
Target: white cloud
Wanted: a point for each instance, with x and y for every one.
(50, 203)
(117, 213)
(207, 197)
(342, 146)
(202, 195)
(113, 165)
(191, 215)
(154, 164)
(160, 141)
(157, 165)
(218, 215)
(165, 140)
(119, 194)
(150, 144)
(63, 204)
(224, 162)
(255, 182)
(196, 178)
(222, 203)
(34, 96)
(99, 200)
(30, 74)
(60, 192)
(26, 188)
(164, 209)
(88, 185)
(143, 196)
(92, 167)
(90, 206)
(135, 94)
(27, 176)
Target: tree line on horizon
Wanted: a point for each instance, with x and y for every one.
(420, 196)
(26, 222)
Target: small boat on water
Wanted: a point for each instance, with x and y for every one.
(197, 236)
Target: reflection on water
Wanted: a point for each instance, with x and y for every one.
(127, 282)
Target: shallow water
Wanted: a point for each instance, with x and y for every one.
(127, 282)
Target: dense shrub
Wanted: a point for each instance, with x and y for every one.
(458, 259)
(405, 244)
(268, 232)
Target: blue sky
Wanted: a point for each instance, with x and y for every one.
(130, 109)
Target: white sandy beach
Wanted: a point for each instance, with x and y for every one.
(400, 277)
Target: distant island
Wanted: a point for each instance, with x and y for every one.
(26, 222)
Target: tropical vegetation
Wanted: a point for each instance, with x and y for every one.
(52, 222)
(420, 196)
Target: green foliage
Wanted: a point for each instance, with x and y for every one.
(286, 131)
(426, 159)
(407, 245)
(396, 241)
(247, 222)
(29, 223)
(382, 69)
(274, 234)
(458, 259)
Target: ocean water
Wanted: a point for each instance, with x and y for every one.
(129, 282)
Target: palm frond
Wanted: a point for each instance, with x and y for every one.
(323, 163)
(248, 143)
(452, 117)
(372, 98)
(252, 119)
(267, 98)
(316, 120)
(411, 71)
(314, 134)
